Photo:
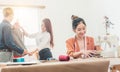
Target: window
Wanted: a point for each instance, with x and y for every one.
(28, 19)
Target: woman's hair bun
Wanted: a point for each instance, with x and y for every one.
(73, 17)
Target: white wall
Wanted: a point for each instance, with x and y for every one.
(113, 11)
(20, 2)
(97, 9)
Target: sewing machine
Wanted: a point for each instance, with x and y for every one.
(109, 45)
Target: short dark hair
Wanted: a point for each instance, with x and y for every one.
(76, 20)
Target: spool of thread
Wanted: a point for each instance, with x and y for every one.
(64, 58)
(18, 60)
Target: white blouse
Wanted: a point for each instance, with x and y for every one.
(42, 39)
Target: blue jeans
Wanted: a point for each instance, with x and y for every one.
(45, 54)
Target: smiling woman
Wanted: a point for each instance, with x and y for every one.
(81, 45)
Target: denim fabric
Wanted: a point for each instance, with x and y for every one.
(45, 54)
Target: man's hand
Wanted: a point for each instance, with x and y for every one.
(31, 53)
(25, 52)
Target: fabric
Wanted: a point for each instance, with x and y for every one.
(45, 54)
(5, 56)
(70, 66)
(42, 39)
(72, 45)
(18, 39)
(6, 38)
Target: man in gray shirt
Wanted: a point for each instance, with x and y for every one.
(7, 44)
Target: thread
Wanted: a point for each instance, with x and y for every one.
(18, 60)
(64, 58)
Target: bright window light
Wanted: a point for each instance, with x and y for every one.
(28, 19)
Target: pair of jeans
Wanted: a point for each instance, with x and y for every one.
(45, 54)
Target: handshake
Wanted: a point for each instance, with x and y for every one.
(29, 53)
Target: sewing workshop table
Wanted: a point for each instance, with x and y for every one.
(76, 65)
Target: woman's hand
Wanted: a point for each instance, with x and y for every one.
(31, 53)
(84, 54)
(77, 54)
(24, 32)
(88, 53)
(25, 52)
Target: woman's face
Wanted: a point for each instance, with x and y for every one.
(80, 30)
(43, 27)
